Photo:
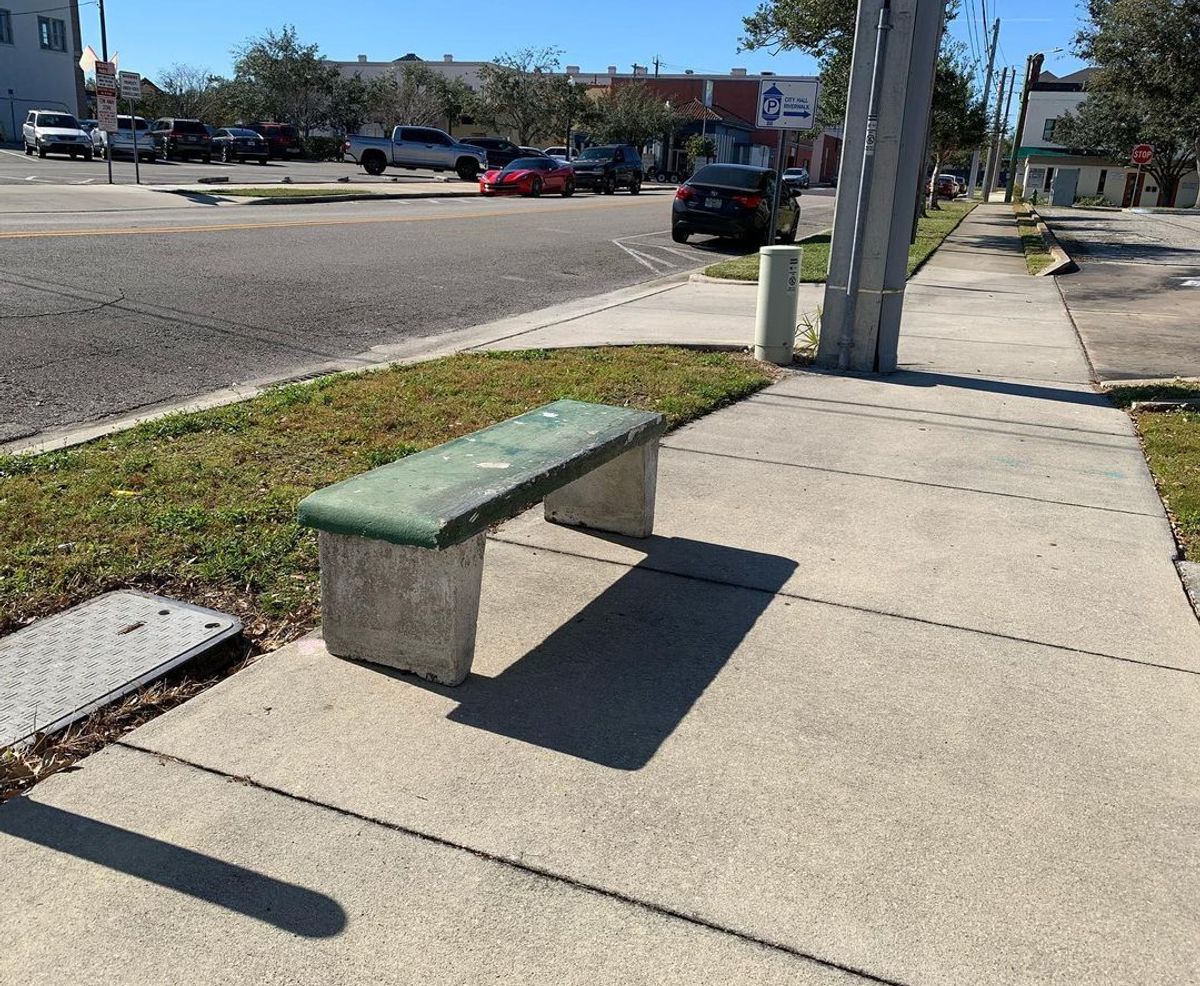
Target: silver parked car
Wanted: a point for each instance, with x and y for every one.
(417, 147)
(122, 143)
(54, 132)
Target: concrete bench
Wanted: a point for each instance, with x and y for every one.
(402, 545)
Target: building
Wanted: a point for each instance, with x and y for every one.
(40, 46)
(1065, 174)
(720, 106)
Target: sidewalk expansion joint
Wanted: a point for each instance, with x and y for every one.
(527, 869)
(941, 414)
(1107, 446)
(910, 482)
(852, 607)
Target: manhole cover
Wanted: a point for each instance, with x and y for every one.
(61, 668)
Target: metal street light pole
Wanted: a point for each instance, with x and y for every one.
(987, 94)
(570, 101)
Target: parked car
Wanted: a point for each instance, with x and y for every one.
(796, 177)
(732, 200)
(53, 132)
(529, 176)
(283, 140)
(500, 152)
(239, 143)
(177, 138)
(122, 143)
(87, 126)
(561, 151)
(605, 169)
(417, 147)
(947, 187)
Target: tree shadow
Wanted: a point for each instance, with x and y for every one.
(286, 906)
(615, 681)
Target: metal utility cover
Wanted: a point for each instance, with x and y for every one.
(61, 668)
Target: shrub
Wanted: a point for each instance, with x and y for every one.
(324, 148)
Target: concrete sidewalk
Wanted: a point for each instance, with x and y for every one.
(903, 690)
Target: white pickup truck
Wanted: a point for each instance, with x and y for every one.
(416, 147)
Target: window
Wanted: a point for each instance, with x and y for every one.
(1048, 129)
(6, 37)
(1100, 181)
(52, 33)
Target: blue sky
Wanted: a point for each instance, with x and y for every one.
(697, 34)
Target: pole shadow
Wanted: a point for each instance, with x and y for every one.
(611, 685)
(286, 906)
(1012, 388)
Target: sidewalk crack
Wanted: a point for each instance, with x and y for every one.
(527, 869)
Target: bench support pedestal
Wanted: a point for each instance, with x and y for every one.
(617, 497)
(413, 609)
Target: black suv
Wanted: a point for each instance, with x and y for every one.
(500, 152)
(182, 139)
(605, 169)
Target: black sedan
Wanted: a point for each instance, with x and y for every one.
(732, 200)
(237, 144)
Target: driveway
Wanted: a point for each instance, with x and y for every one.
(1136, 296)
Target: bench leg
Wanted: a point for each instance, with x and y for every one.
(617, 497)
(413, 609)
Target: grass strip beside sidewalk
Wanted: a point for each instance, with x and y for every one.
(814, 264)
(1171, 440)
(202, 506)
(1037, 252)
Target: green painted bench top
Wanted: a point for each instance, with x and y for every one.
(444, 495)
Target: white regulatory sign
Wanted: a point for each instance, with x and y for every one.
(106, 112)
(131, 85)
(787, 104)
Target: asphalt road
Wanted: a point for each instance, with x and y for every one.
(1136, 296)
(108, 312)
(16, 167)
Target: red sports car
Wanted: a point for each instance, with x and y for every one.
(529, 176)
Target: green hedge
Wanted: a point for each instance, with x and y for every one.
(324, 148)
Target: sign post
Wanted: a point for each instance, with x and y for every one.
(784, 104)
(1142, 154)
(106, 105)
(131, 90)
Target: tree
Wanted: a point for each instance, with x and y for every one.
(1108, 123)
(185, 91)
(279, 78)
(1146, 87)
(409, 96)
(822, 28)
(517, 92)
(456, 99)
(569, 108)
(632, 113)
(956, 117)
(698, 147)
(349, 104)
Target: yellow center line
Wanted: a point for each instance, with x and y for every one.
(291, 223)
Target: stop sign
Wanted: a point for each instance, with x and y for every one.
(1142, 154)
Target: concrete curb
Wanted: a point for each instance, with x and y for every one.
(1189, 575)
(1063, 264)
(705, 279)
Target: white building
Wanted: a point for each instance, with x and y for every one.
(1063, 174)
(40, 46)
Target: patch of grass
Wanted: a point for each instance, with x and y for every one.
(202, 506)
(1171, 440)
(814, 264)
(1037, 254)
